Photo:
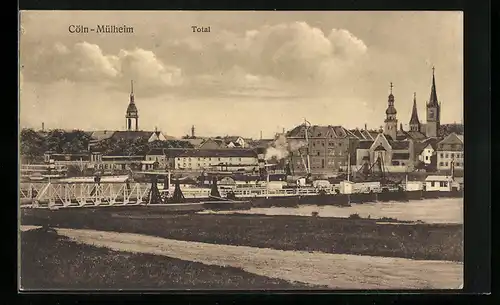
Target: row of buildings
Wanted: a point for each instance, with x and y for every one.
(327, 155)
(321, 149)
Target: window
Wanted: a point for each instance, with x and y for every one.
(447, 156)
(323, 144)
(199, 159)
(239, 159)
(340, 144)
(426, 158)
(458, 164)
(442, 155)
(452, 156)
(219, 159)
(441, 163)
(432, 184)
(446, 163)
(318, 153)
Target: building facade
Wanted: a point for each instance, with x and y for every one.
(450, 151)
(395, 156)
(326, 149)
(216, 159)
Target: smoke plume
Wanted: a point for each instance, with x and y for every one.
(282, 147)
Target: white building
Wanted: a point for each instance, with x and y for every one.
(440, 183)
(217, 159)
(426, 154)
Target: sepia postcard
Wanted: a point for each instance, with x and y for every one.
(199, 150)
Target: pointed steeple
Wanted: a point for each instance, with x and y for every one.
(131, 92)
(433, 100)
(414, 113)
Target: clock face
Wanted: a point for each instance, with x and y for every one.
(431, 113)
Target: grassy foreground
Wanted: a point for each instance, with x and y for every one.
(50, 261)
(329, 235)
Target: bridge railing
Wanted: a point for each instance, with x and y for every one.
(82, 194)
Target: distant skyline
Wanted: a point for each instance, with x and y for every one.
(253, 72)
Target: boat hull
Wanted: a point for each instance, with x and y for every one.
(334, 199)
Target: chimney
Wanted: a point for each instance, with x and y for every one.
(366, 127)
(43, 126)
(401, 126)
(261, 134)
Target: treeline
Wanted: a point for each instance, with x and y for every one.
(34, 144)
(446, 129)
(133, 147)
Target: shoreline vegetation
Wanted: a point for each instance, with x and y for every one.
(353, 235)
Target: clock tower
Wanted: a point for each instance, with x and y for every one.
(433, 112)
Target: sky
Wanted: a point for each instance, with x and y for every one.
(253, 72)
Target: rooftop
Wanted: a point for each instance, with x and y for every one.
(211, 153)
(438, 178)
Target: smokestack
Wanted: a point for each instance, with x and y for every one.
(401, 126)
(261, 134)
(366, 127)
(261, 157)
(192, 131)
(283, 130)
(43, 126)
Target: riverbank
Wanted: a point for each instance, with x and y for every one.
(52, 261)
(324, 234)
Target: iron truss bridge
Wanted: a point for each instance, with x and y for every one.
(55, 195)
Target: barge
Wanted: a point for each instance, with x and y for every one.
(120, 191)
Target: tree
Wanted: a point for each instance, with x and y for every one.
(32, 145)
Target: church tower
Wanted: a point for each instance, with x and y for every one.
(433, 112)
(132, 113)
(391, 123)
(414, 122)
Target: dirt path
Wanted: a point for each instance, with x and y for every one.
(334, 270)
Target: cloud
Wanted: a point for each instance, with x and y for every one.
(86, 62)
(282, 60)
(298, 52)
(237, 82)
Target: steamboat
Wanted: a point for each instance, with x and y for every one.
(212, 190)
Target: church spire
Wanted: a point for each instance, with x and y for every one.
(391, 123)
(132, 113)
(414, 121)
(433, 101)
(131, 92)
